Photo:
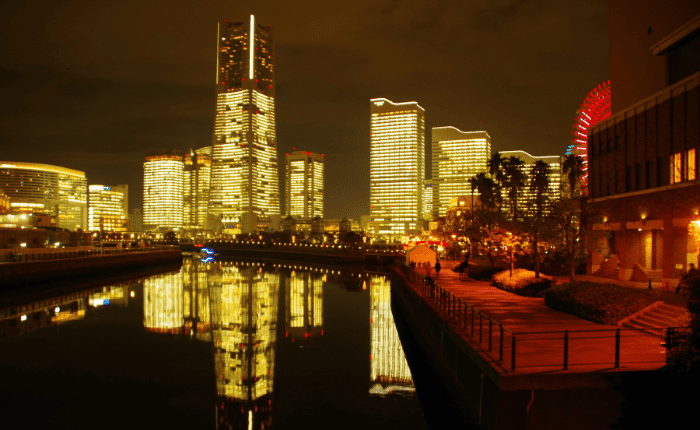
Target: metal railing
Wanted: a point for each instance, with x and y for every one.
(602, 347)
(13, 257)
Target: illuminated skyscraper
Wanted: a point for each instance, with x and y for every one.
(428, 200)
(197, 176)
(108, 208)
(457, 157)
(397, 159)
(244, 178)
(163, 189)
(43, 188)
(304, 184)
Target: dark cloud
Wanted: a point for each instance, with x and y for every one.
(95, 85)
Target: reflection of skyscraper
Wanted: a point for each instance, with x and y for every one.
(388, 365)
(196, 303)
(244, 182)
(305, 304)
(162, 303)
(397, 159)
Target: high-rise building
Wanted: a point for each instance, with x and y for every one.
(163, 190)
(244, 171)
(397, 163)
(42, 188)
(428, 200)
(526, 196)
(457, 157)
(197, 177)
(108, 208)
(304, 184)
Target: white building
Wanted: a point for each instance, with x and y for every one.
(397, 163)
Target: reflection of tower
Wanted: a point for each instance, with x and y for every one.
(389, 368)
(196, 298)
(244, 324)
(305, 299)
(162, 303)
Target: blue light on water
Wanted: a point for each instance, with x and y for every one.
(208, 251)
(208, 259)
(105, 301)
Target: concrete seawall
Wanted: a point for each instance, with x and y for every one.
(16, 274)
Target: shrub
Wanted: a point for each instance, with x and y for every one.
(523, 282)
(600, 303)
(483, 273)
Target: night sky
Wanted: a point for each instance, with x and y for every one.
(94, 85)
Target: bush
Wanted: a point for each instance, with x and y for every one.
(600, 303)
(483, 273)
(523, 282)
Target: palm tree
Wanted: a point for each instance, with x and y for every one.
(495, 164)
(538, 184)
(514, 181)
(573, 168)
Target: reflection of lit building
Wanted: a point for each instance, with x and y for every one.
(244, 182)
(108, 208)
(457, 157)
(112, 295)
(162, 189)
(525, 195)
(397, 159)
(304, 304)
(162, 303)
(196, 188)
(42, 188)
(196, 313)
(304, 184)
(388, 365)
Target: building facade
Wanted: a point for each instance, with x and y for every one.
(244, 170)
(108, 208)
(304, 184)
(163, 186)
(42, 188)
(457, 157)
(644, 188)
(196, 182)
(527, 196)
(397, 163)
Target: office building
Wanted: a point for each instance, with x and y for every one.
(397, 163)
(45, 189)
(108, 208)
(643, 160)
(244, 169)
(163, 190)
(196, 181)
(526, 196)
(457, 157)
(428, 200)
(304, 184)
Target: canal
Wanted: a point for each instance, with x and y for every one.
(218, 344)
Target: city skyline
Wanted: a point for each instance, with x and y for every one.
(98, 113)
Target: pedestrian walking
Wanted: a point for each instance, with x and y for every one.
(437, 269)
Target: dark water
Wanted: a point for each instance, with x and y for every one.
(214, 345)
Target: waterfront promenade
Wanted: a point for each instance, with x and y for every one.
(519, 335)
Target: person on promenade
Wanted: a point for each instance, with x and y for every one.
(437, 269)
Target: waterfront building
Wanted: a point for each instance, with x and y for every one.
(304, 184)
(526, 196)
(244, 169)
(643, 160)
(397, 163)
(196, 181)
(163, 190)
(45, 189)
(457, 157)
(108, 208)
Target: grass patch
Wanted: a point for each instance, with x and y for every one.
(523, 282)
(600, 303)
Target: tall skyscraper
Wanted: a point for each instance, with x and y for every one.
(108, 208)
(457, 157)
(197, 177)
(162, 190)
(244, 177)
(397, 160)
(304, 184)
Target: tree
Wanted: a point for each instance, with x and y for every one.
(514, 181)
(573, 168)
(539, 184)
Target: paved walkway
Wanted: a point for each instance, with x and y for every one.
(540, 332)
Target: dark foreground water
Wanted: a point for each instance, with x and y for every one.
(214, 345)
